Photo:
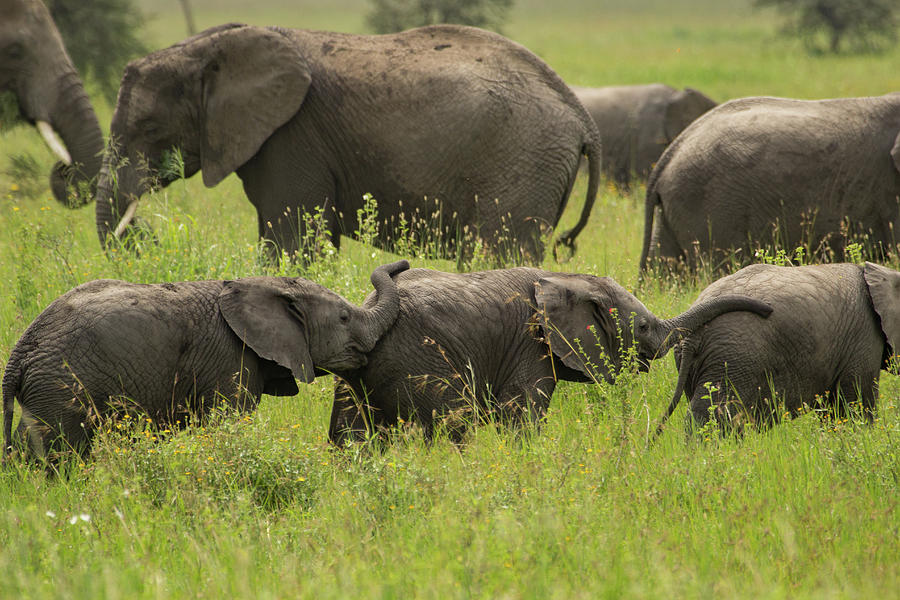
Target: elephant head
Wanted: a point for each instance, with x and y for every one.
(588, 321)
(216, 97)
(307, 328)
(684, 108)
(34, 66)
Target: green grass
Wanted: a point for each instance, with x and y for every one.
(262, 507)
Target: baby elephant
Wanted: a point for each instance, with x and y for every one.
(177, 350)
(833, 327)
(497, 342)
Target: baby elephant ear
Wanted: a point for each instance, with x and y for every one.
(884, 288)
(262, 314)
(578, 329)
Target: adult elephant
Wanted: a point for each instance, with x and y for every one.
(637, 122)
(173, 351)
(496, 342)
(832, 328)
(775, 171)
(309, 118)
(35, 67)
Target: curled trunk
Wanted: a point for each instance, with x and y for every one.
(387, 302)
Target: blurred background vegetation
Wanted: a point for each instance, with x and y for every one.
(263, 507)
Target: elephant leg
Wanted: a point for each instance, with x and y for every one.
(520, 406)
(664, 245)
(352, 418)
(721, 404)
(298, 231)
(295, 201)
(45, 437)
(852, 396)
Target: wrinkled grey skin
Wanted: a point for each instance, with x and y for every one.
(313, 118)
(178, 350)
(465, 336)
(748, 164)
(35, 67)
(637, 122)
(832, 328)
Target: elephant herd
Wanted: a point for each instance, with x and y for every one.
(480, 140)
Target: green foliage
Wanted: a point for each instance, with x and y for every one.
(581, 508)
(387, 16)
(29, 175)
(9, 111)
(837, 25)
(101, 36)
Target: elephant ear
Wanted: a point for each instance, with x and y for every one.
(576, 324)
(254, 80)
(684, 108)
(263, 315)
(895, 152)
(884, 289)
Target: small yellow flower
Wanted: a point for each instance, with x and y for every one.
(14, 187)
(15, 209)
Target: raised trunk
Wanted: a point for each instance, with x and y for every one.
(387, 306)
(673, 330)
(73, 118)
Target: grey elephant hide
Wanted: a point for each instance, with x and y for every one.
(832, 328)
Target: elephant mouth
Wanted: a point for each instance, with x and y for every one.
(349, 360)
(643, 363)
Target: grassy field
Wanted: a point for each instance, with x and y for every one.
(261, 507)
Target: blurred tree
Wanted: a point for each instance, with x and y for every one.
(101, 36)
(856, 25)
(188, 17)
(388, 16)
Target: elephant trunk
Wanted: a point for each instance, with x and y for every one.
(106, 212)
(118, 191)
(387, 303)
(74, 120)
(671, 331)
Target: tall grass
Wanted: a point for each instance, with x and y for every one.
(262, 507)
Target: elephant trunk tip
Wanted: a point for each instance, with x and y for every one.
(387, 305)
(391, 270)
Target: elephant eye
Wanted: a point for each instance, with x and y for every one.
(149, 128)
(345, 316)
(14, 51)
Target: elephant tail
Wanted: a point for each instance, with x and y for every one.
(12, 378)
(651, 200)
(591, 149)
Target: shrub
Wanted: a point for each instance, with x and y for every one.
(388, 16)
(101, 36)
(857, 25)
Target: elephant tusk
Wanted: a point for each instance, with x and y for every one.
(126, 219)
(54, 142)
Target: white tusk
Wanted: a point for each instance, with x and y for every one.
(126, 219)
(53, 141)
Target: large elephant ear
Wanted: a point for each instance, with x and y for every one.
(576, 324)
(685, 107)
(884, 288)
(254, 80)
(263, 315)
(895, 152)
